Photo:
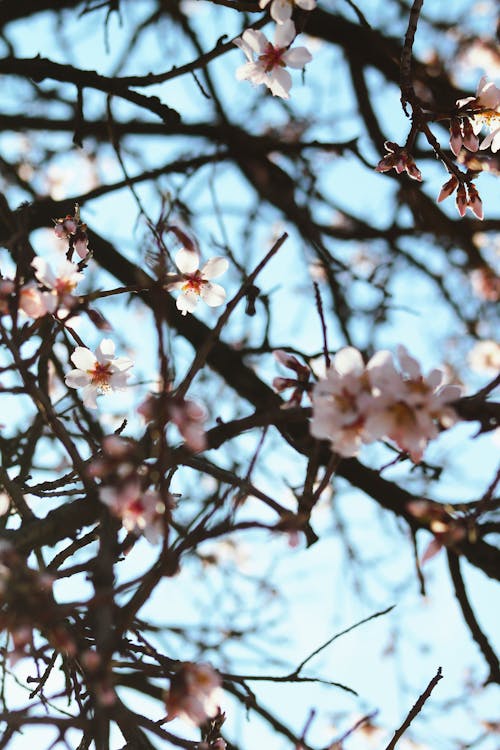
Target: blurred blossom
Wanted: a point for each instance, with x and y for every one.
(195, 693)
(281, 10)
(485, 356)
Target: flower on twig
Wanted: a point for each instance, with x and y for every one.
(281, 10)
(272, 59)
(194, 694)
(399, 159)
(196, 284)
(98, 373)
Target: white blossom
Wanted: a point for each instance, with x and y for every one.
(98, 373)
(271, 59)
(195, 283)
(194, 694)
(61, 284)
(485, 111)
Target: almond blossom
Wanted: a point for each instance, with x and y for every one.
(62, 284)
(72, 229)
(358, 403)
(34, 303)
(141, 512)
(272, 59)
(195, 283)
(281, 10)
(194, 694)
(300, 384)
(98, 373)
(188, 416)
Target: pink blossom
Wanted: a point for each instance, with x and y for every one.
(98, 373)
(196, 284)
(34, 303)
(194, 694)
(141, 511)
(485, 111)
(272, 59)
(188, 416)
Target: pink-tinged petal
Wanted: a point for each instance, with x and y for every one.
(251, 71)
(82, 247)
(263, 3)
(213, 295)
(431, 551)
(83, 358)
(408, 363)
(105, 351)
(187, 261)
(118, 380)
(297, 57)
(43, 272)
(280, 83)
(281, 11)
(288, 360)
(174, 284)
(256, 40)
(77, 378)
(120, 364)
(448, 188)
(214, 267)
(306, 4)
(348, 360)
(435, 378)
(187, 302)
(493, 140)
(245, 48)
(89, 394)
(284, 34)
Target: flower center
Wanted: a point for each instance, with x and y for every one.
(194, 283)
(272, 57)
(64, 286)
(488, 117)
(100, 376)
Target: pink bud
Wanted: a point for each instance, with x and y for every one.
(456, 138)
(471, 140)
(448, 188)
(475, 203)
(461, 200)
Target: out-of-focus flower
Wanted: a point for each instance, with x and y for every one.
(281, 10)
(271, 59)
(34, 303)
(485, 356)
(188, 416)
(486, 284)
(195, 283)
(140, 511)
(65, 228)
(7, 288)
(300, 384)
(194, 695)
(358, 403)
(98, 373)
(62, 284)
(399, 159)
(484, 109)
(446, 530)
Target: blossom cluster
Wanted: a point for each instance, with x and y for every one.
(267, 61)
(194, 695)
(356, 404)
(188, 416)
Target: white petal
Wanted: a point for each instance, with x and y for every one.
(263, 3)
(83, 358)
(118, 380)
(306, 4)
(105, 351)
(348, 360)
(187, 302)
(251, 71)
(297, 58)
(89, 394)
(76, 379)
(214, 267)
(281, 11)
(284, 34)
(187, 261)
(213, 295)
(43, 272)
(244, 47)
(280, 83)
(120, 364)
(256, 40)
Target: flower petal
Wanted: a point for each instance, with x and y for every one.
(77, 378)
(213, 295)
(297, 58)
(284, 34)
(43, 272)
(281, 11)
(89, 394)
(105, 351)
(256, 40)
(214, 267)
(187, 261)
(187, 302)
(83, 358)
(280, 83)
